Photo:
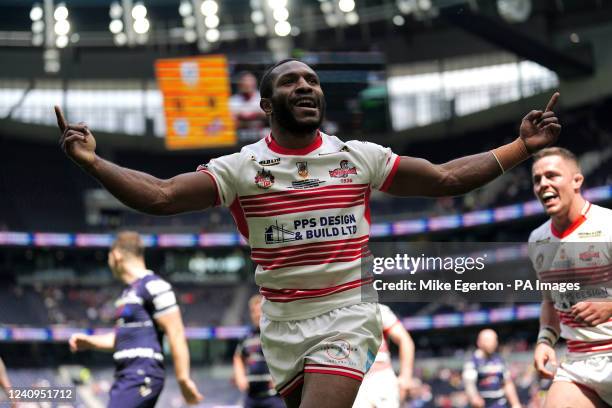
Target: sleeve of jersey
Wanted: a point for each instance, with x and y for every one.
(222, 171)
(382, 163)
(469, 372)
(161, 296)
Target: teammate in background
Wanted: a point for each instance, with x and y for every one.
(145, 311)
(574, 245)
(244, 105)
(251, 373)
(381, 388)
(486, 378)
(5, 383)
(318, 333)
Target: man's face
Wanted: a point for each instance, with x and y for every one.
(487, 341)
(247, 84)
(556, 182)
(298, 103)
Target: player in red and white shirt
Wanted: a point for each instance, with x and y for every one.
(573, 246)
(381, 388)
(300, 198)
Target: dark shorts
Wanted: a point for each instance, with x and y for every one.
(496, 403)
(135, 391)
(264, 402)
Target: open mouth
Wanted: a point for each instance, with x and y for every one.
(305, 103)
(548, 197)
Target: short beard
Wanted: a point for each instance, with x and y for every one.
(285, 118)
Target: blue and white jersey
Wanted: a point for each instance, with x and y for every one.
(138, 339)
(489, 373)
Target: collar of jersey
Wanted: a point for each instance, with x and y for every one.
(578, 222)
(275, 147)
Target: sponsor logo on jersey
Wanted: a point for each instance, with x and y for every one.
(278, 234)
(302, 169)
(270, 162)
(543, 241)
(305, 184)
(589, 254)
(344, 170)
(264, 179)
(590, 234)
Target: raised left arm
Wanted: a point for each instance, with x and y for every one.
(419, 177)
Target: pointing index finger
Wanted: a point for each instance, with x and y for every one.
(61, 121)
(552, 102)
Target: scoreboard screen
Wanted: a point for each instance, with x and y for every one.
(196, 94)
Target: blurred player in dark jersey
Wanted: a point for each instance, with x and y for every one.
(251, 372)
(486, 377)
(145, 311)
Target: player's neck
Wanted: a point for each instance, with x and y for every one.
(292, 140)
(132, 271)
(563, 221)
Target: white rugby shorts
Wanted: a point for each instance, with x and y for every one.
(593, 372)
(343, 342)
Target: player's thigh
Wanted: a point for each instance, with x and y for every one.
(565, 394)
(328, 391)
(294, 399)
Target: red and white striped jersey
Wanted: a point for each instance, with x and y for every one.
(383, 357)
(581, 254)
(305, 213)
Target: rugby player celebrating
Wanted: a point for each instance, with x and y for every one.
(319, 335)
(574, 245)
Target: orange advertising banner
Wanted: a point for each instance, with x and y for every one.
(196, 93)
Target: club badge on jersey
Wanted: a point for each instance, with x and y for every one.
(302, 169)
(264, 179)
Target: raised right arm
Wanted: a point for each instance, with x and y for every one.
(140, 191)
